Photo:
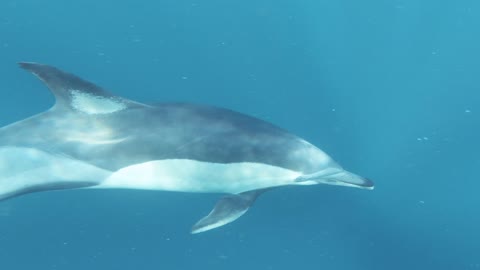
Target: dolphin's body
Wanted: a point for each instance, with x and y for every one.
(91, 138)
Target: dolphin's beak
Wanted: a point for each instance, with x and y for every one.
(337, 177)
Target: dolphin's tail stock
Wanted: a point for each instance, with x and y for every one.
(26, 170)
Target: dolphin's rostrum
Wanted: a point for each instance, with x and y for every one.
(93, 139)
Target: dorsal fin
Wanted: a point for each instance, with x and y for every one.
(77, 94)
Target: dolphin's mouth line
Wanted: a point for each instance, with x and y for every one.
(338, 177)
(317, 175)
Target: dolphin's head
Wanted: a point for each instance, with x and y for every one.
(319, 168)
(337, 177)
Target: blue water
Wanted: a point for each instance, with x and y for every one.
(391, 89)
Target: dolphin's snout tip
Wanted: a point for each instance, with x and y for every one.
(367, 184)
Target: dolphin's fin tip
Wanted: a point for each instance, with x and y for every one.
(75, 93)
(227, 209)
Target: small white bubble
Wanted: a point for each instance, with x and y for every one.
(184, 78)
(334, 110)
(425, 138)
(419, 139)
(421, 202)
(467, 111)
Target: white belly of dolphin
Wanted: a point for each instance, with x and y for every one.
(197, 176)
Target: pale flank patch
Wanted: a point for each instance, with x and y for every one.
(24, 168)
(92, 104)
(95, 141)
(197, 176)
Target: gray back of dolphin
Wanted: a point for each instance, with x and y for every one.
(163, 131)
(105, 134)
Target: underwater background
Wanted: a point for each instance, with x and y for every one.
(390, 89)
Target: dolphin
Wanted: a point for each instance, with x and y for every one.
(91, 138)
